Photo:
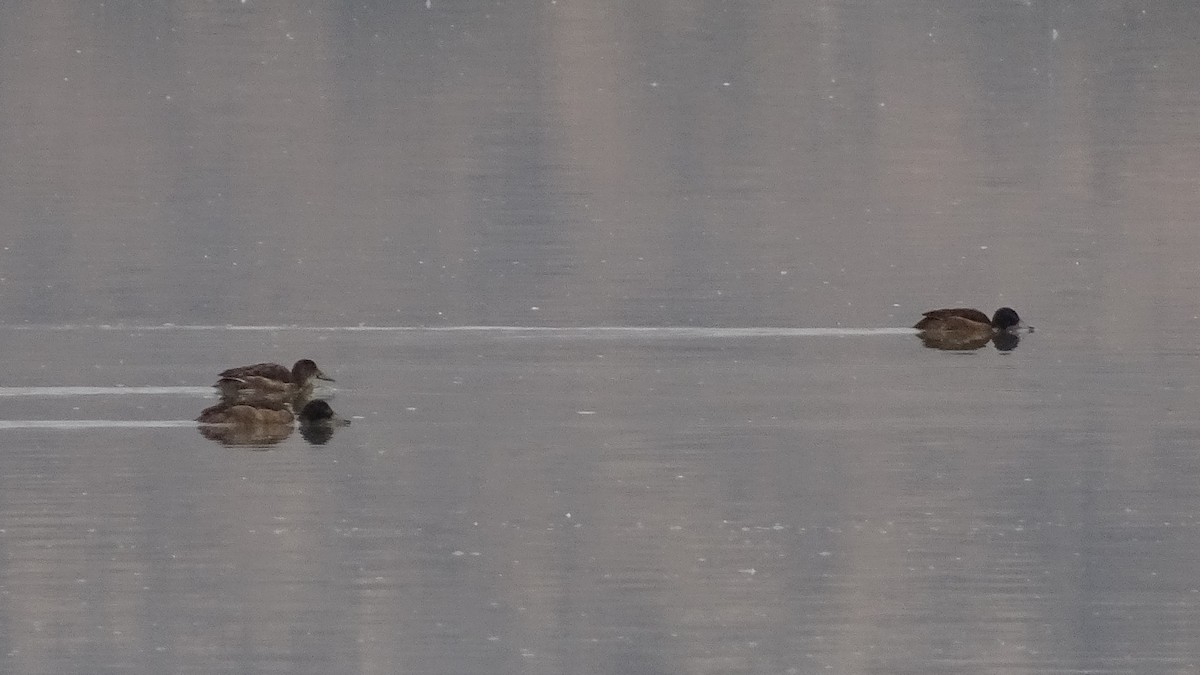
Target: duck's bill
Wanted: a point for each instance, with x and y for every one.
(323, 376)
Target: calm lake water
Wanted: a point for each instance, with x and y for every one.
(616, 296)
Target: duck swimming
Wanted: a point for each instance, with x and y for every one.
(270, 379)
(965, 321)
(301, 373)
(269, 413)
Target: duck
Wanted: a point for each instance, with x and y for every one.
(264, 412)
(968, 322)
(270, 379)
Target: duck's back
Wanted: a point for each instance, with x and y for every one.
(254, 385)
(271, 371)
(953, 318)
(243, 413)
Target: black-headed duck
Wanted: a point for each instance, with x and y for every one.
(964, 321)
(263, 423)
(263, 412)
(962, 329)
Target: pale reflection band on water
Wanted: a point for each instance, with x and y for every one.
(583, 332)
(55, 392)
(95, 424)
(6, 392)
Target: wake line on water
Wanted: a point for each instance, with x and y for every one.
(576, 331)
(94, 424)
(100, 391)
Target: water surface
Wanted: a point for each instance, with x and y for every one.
(617, 297)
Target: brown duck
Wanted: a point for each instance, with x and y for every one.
(962, 329)
(964, 320)
(270, 379)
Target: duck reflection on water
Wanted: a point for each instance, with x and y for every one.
(1003, 342)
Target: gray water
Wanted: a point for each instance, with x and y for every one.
(616, 297)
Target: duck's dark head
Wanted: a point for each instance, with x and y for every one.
(1005, 318)
(319, 412)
